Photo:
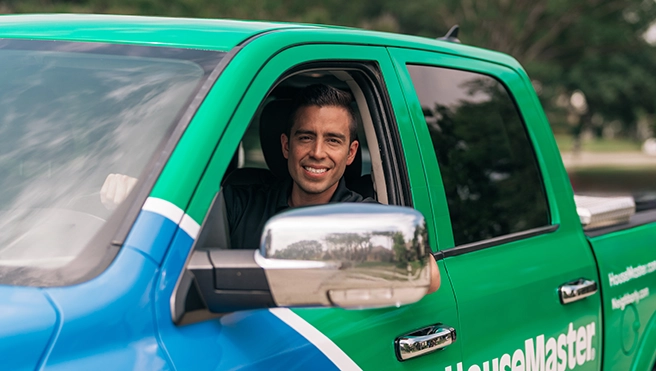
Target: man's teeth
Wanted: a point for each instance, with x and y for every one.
(315, 171)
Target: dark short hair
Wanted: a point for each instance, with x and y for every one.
(323, 96)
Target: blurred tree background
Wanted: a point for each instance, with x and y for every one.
(589, 60)
(590, 63)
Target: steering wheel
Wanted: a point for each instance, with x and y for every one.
(45, 237)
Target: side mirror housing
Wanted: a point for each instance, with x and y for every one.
(349, 255)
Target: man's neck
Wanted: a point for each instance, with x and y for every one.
(300, 198)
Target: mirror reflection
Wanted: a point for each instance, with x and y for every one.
(392, 244)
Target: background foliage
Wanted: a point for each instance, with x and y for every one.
(592, 46)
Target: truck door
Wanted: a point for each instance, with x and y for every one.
(315, 338)
(489, 157)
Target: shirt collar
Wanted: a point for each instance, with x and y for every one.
(284, 187)
(341, 193)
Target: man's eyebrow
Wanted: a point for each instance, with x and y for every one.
(336, 135)
(329, 134)
(304, 132)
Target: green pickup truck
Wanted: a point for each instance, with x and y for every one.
(454, 146)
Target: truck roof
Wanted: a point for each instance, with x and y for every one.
(176, 32)
(198, 33)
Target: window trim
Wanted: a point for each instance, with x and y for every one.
(370, 80)
(386, 127)
(506, 238)
(495, 241)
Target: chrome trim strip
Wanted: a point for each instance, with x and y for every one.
(463, 249)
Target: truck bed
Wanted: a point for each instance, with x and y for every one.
(639, 218)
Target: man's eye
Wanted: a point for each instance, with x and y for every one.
(334, 141)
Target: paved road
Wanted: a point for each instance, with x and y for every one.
(614, 159)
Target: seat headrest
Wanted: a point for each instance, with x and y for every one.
(273, 121)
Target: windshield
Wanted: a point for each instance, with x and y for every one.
(70, 115)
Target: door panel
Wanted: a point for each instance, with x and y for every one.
(506, 285)
(328, 337)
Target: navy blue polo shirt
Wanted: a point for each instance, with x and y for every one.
(248, 207)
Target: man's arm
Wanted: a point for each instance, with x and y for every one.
(435, 279)
(116, 189)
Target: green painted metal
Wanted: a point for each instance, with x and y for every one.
(514, 284)
(208, 34)
(627, 268)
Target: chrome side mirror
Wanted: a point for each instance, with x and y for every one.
(346, 255)
(350, 255)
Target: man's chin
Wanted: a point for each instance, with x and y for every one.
(315, 189)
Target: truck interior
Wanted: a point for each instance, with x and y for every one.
(259, 159)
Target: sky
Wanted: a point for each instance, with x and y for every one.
(650, 35)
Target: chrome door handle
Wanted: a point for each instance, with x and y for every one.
(424, 341)
(576, 290)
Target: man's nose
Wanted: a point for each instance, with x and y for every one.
(318, 149)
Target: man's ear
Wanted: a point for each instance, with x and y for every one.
(284, 140)
(353, 149)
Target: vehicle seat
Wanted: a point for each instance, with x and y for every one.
(249, 175)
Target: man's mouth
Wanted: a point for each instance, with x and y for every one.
(314, 170)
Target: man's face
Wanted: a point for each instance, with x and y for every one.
(319, 149)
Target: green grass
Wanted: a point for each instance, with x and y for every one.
(565, 144)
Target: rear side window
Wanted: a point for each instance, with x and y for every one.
(488, 167)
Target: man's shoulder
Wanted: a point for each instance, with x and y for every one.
(250, 190)
(344, 194)
(356, 197)
(257, 194)
(370, 200)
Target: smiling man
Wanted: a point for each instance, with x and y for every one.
(319, 142)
